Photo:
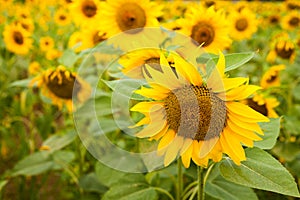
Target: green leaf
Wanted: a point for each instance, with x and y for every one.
(56, 142)
(232, 61)
(286, 150)
(91, 183)
(2, 184)
(126, 88)
(106, 175)
(136, 191)
(219, 188)
(20, 83)
(33, 164)
(68, 58)
(260, 171)
(271, 131)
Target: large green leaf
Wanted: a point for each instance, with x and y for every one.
(136, 191)
(106, 175)
(219, 188)
(232, 61)
(271, 131)
(91, 183)
(126, 87)
(42, 161)
(20, 83)
(56, 142)
(260, 171)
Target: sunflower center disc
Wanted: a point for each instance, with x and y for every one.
(259, 108)
(18, 38)
(203, 32)
(294, 21)
(62, 17)
(284, 52)
(195, 112)
(274, 19)
(62, 87)
(241, 24)
(131, 16)
(89, 8)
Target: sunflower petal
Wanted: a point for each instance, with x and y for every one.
(245, 111)
(186, 156)
(229, 83)
(172, 150)
(207, 146)
(243, 132)
(166, 140)
(155, 126)
(242, 93)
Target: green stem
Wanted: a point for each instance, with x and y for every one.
(164, 192)
(179, 180)
(188, 188)
(200, 183)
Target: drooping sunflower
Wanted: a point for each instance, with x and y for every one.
(195, 118)
(85, 12)
(242, 24)
(291, 21)
(264, 105)
(17, 39)
(282, 47)
(134, 62)
(271, 77)
(207, 27)
(46, 43)
(60, 85)
(125, 15)
(62, 17)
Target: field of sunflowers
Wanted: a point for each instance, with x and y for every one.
(149, 100)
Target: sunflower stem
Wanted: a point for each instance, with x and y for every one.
(179, 180)
(200, 171)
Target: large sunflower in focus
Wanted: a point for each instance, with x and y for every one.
(125, 15)
(242, 24)
(194, 118)
(207, 27)
(60, 85)
(17, 39)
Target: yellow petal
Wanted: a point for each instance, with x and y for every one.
(245, 111)
(207, 146)
(185, 69)
(229, 83)
(166, 140)
(242, 93)
(186, 156)
(146, 106)
(151, 93)
(160, 134)
(173, 150)
(155, 126)
(243, 132)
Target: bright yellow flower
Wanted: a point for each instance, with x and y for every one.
(271, 77)
(196, 118)
(264, 105)
(62, 17)
(17, 39)
(291, 21)
(125, 15)
(207, 27)
(61, 85)
(46, 43)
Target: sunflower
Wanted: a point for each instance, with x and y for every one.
(62, 17)
(34, 68)
(27, 24)
(283, 47)
(46, 43)
(134, 62)
(264, 105)
(292, 4)
(17, 39)
(125, 15)
(183, 107)
(52, 54)
(207, 27)
(291, 21)
(85, 12)
(271, 77)
(60, 85)
(91, 37)
(242, 24)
